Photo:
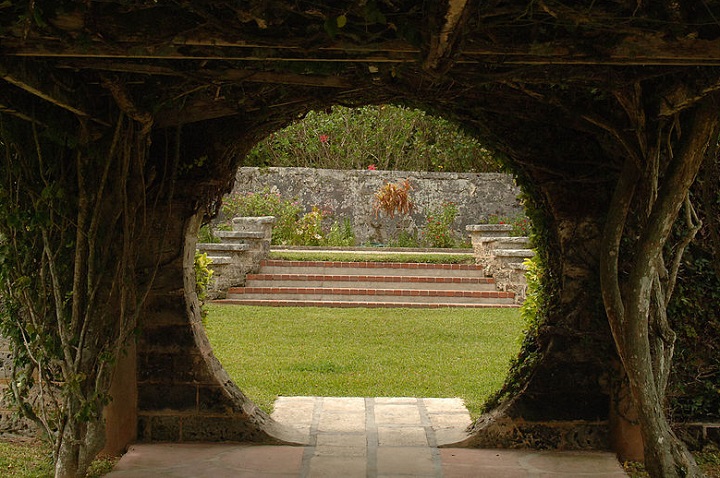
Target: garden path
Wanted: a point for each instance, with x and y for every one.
(364, 438)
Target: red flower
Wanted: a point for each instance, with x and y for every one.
(324, 138)
(372, 167)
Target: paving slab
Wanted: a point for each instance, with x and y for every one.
(361, 437)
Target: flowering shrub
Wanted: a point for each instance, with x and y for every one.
(520, 223)
(439, 228)
(308, 229)
(265, 203)
(340, 235)
(291, 226)
(397, 138)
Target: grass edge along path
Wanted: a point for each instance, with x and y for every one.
(294, 351)
(361, 256)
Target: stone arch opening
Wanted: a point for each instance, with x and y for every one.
(590, 105)
(214, 409)
(367, 182)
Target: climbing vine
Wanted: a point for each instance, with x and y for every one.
(71, 221)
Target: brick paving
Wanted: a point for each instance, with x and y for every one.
(364, 438)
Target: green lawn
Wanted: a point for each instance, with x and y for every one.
(290, 351)
(32, 459)
(379, 256)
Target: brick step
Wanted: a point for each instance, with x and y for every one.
(375, 295)
(370, 268)
(370, 281)
(352, 304)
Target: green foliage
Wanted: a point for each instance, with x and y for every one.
(314, 228)
(422, 258)
(205, 234)
(34, 460)
(25, 460)
(308, 229)
(694, 312)
(438, 230)
(387, 137)
(340, 235)
(265, 203)
(521, 226)
(533, 297)
(203, 274)
(405, 239)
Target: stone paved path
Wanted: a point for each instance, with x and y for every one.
(364, 438)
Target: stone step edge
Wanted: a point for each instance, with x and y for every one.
(514, 253)
(237, 235)
(372, 292)
(370, 278)
(221, 246)
(370, 265)
(369, 304)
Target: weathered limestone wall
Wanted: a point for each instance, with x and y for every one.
(349, 194)
(502, 256)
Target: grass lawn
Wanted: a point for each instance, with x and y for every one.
(32, 459)
(340, 256)
(291, 351)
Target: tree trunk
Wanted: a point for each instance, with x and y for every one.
(634, 282)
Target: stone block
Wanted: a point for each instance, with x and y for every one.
(177, 397)
(213, 400)
(169, 336)
(214, 429)
(191, 367)
(156, 367)
(159, 428)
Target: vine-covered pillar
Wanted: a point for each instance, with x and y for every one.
(183, 393)
(558, 393)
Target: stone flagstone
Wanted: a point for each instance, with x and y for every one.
(363, 438)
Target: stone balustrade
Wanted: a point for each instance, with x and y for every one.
(239, 253)
(502, 256)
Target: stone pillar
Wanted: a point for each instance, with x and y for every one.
(560, 397)
(183, 392)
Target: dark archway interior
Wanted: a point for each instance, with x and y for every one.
(553, 88)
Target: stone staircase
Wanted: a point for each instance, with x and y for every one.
(502, 256)
(369, 284)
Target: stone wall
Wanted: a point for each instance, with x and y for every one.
(349, 194)
(11, 424)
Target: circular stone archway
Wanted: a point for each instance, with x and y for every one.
(564, 95)
(559, 397)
